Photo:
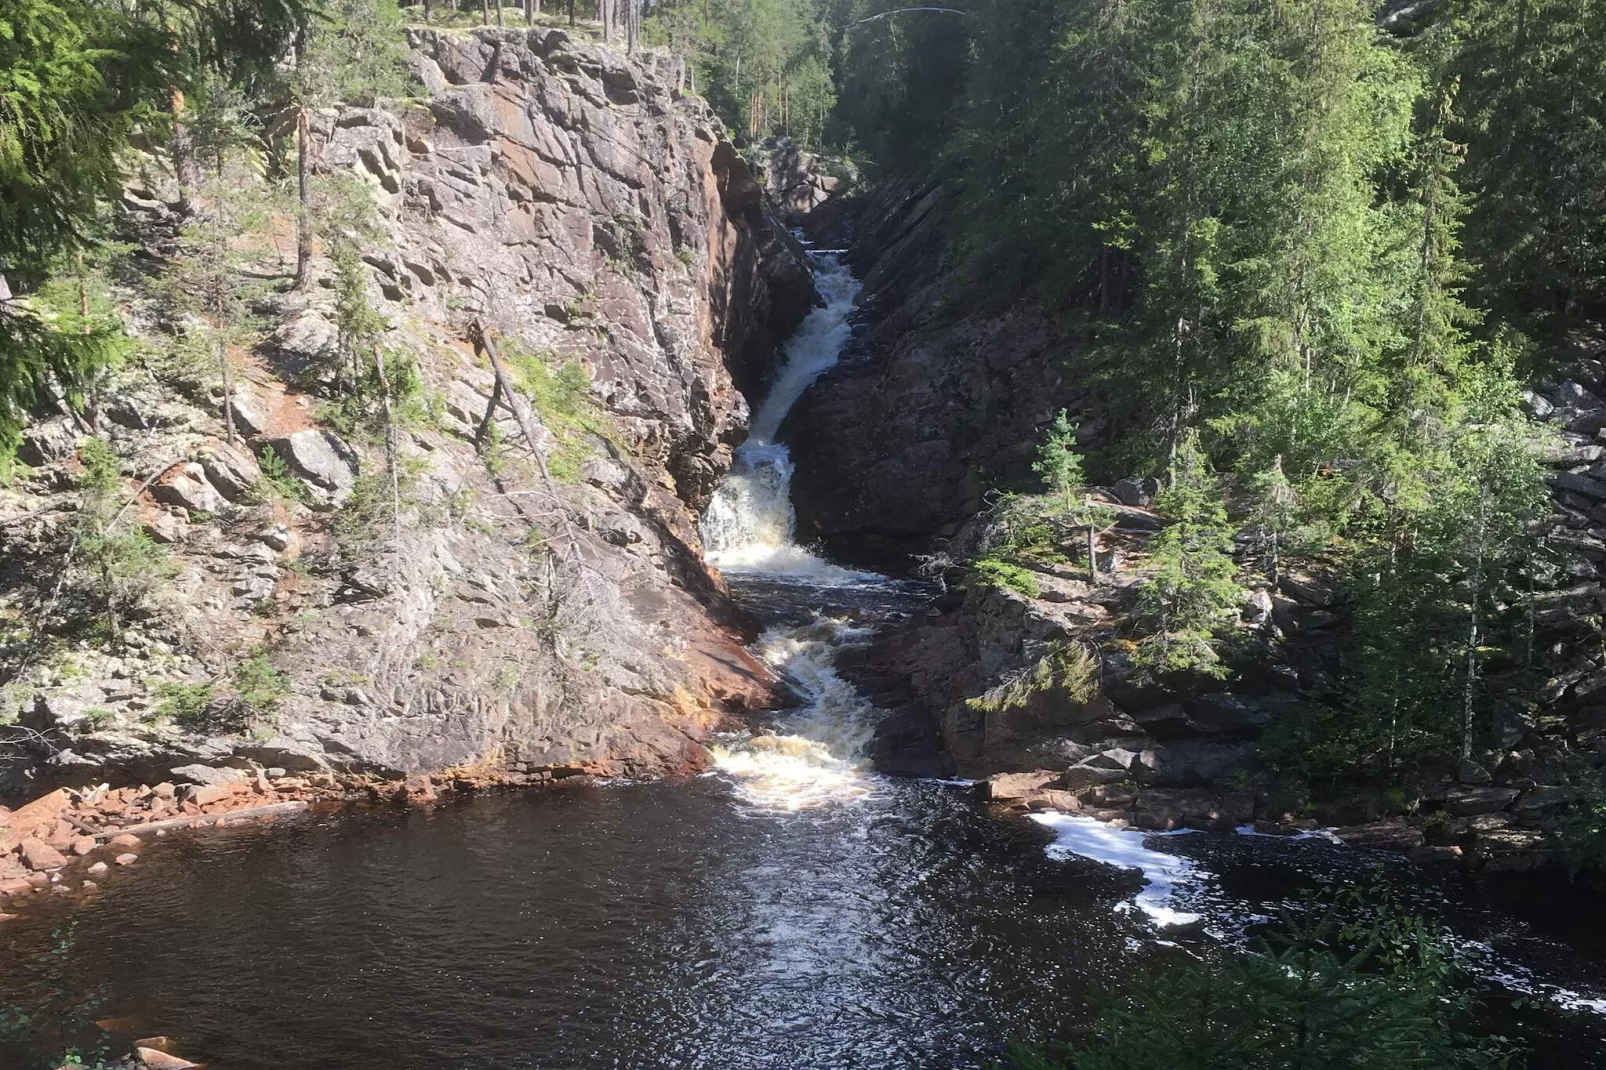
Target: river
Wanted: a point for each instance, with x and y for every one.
(792, 910)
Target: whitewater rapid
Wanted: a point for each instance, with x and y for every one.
(815, 754)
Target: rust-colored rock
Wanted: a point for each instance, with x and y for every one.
(15, 885)
(82, 845)
(42, 813)
(125, 840)
(40, 856)
(126, 859)
(156, 1059)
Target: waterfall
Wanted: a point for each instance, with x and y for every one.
(749, 526)
(814, 755)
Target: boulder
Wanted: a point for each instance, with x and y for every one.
(1224, 714)
(1580, 484)
(1487, 800)
(82, 845)
(320, 457)
(304, 344)
(206, 774)
(1307, 590)
(206, 794)
(1003, 787)
(1573, 396)
(48, 442)
(126, 859)
(1136, 491)
(1393, 834)
(249, 408)
(40, 856)
(1083, 775)
(126, 840)
(41, 814)
(186, 486)
(231, 470)
(98, 869)
(1164, 809)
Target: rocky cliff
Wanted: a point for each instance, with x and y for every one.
(529, 592)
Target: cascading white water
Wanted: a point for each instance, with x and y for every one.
(816, 757)
(749, 525)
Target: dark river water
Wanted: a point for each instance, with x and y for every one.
(654, 925)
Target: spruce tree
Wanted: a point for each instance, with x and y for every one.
(1192, 596)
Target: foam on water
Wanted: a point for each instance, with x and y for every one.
(816, 755)
(1163, 874)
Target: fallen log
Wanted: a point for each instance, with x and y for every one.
(269, 810)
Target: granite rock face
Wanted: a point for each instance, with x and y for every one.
(568, 203)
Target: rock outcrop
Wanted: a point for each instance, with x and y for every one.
(525, 613)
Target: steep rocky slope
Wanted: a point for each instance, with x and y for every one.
(519, 614)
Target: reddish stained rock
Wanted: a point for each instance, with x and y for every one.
(126, 859)
(82, 845)
(41, 856)
(159, 1043)
(15, 885)
(156, 1059)
(98, 868)
(42, 813)
(125, 839)
(9, 917)
(37, 880)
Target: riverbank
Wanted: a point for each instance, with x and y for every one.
(66, 841)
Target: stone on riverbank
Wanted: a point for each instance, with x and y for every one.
(40, 856)
(126, 859)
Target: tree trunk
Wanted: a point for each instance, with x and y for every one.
(485, 12)
(632, 29)
(571, 13)
(1092, 555)
(499, 13)
(183, 153)
(1470, 692)
(390, 439)
(304, 199)
(426, 11)
(605, 13)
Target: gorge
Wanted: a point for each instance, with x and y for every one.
(619, 590)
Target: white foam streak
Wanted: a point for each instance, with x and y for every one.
(1163, 874)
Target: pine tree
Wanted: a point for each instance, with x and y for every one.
(1192, 596)
(75, 78)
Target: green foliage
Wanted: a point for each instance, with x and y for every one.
(76, 78)
(277, 481)
(1583, 833)
(997, 573)
(1058, 462)
(185, 705)
(1313, 991)
(120, 568)
(763, 64)
(1066, 668)
(259, 685)
(561, 394)
(354, 53)
(1191, 598)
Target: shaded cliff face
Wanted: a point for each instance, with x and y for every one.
(935, 403)
(563, 198)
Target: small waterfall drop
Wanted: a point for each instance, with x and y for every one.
(749, 526)
(815, 755)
